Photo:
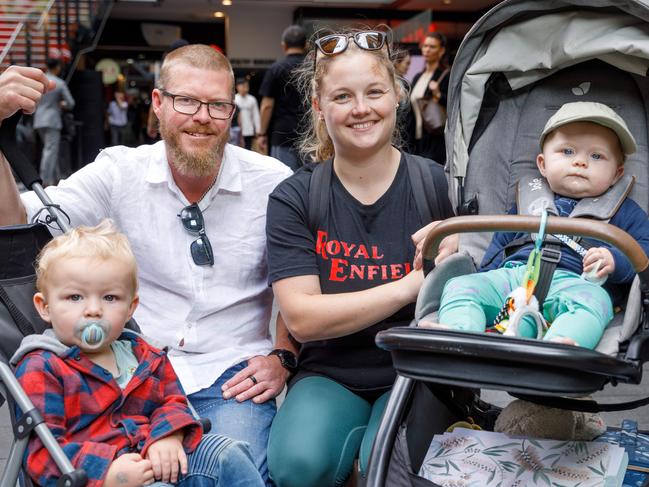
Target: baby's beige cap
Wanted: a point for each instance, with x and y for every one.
(589, 111)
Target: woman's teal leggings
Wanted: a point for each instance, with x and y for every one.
(317, 434)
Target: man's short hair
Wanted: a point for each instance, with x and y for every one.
(197, 56)
(99, 242)
(294, 36)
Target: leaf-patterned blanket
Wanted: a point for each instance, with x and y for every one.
(466, 458)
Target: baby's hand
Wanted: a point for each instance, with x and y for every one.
(166, 456)
(129, 470)
(605, 258)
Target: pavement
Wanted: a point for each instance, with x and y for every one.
(609, 394)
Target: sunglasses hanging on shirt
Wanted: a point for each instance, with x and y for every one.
(201, 248)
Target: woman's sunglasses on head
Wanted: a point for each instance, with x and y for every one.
(336, 43)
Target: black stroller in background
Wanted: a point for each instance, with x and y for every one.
(514, 69)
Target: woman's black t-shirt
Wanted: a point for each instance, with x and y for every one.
(357, 247)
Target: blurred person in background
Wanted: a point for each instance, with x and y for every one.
(152, 120)
(118, 118)
(248, 112)
(431, 83)
(282, 107)
(48, 123)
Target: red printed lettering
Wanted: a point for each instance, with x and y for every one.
(375, 253)
(357, 271)
(347, 249)
(338, 269)
(333, 247)
(396, 270)
(320, 244)
(372, 270)
(361, 252)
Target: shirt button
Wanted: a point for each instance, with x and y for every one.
(189, 325)
(77, 358)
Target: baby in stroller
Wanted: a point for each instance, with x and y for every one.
(111, 400)
(583, 149)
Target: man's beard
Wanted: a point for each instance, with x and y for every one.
(198, 162)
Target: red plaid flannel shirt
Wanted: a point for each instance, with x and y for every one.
(95, 421)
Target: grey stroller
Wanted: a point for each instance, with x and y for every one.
(517, 66)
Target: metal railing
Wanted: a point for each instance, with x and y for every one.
(34, 33)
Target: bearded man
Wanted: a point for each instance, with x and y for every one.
(194, 210)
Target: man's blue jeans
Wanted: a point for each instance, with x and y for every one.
(287, 155)
(219, 462)
(245, 421)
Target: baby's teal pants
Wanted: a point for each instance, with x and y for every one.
(577, 309)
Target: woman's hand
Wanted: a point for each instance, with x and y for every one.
(447, 246)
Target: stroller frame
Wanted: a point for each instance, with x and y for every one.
(32, 422)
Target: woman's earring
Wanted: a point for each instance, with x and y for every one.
(320, 116)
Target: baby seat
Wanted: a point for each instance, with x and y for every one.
(514, 69)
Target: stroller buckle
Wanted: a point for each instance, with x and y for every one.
(553, 256)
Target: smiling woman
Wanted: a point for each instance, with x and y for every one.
(347, 274)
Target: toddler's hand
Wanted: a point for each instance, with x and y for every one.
(129, 470)
(168, 458)
(605, 258)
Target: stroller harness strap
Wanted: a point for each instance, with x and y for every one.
(527, 299)
(534, 194)
(421, 181)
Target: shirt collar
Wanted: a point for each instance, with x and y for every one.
(229, 178)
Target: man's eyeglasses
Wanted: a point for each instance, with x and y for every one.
(220, 110)
(336, 43)
(201, 248)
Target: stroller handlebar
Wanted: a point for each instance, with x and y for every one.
(17, 160)
(582, 227)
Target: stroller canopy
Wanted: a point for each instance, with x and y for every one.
(525, 41)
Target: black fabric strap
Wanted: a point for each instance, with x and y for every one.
(21, 320)
(423, 188)
(421, 181)
(585, 405)
(550, 257)
(319, 188)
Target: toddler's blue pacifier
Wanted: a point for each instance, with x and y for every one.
(93, 335)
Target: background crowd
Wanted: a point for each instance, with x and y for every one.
(266, 120)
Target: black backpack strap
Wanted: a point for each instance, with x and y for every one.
(319, 188)
(423, 187)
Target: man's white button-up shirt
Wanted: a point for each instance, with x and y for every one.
(210, 317)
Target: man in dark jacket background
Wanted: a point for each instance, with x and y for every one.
(282, 106)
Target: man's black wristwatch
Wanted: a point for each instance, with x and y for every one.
(286, 358)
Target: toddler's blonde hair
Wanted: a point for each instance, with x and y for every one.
(102, 241)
